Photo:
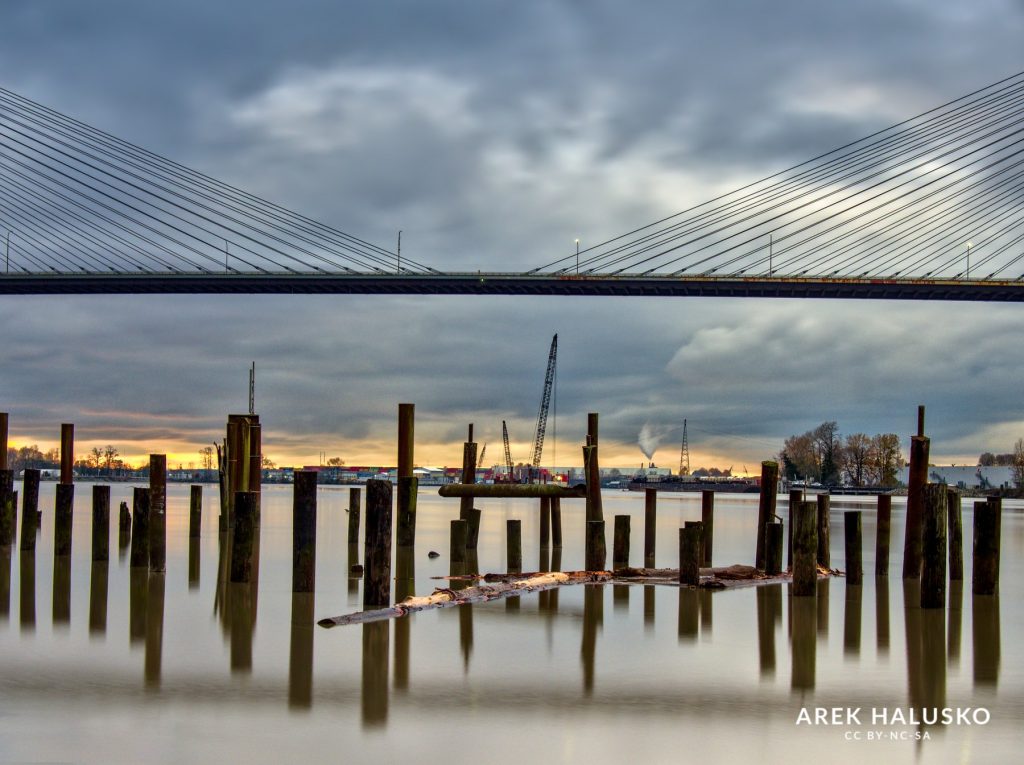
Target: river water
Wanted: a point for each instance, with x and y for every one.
(107, 664)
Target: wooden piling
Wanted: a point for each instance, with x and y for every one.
(556, 522)
(707, 517)
(100, 523)
(195, 511)
(650, 525)
(594, 474)
(406, 427)
(805, 549)
(918, 477)
(472, 528)
(545, 521)
(766, 506)
(469, 477)
(854, 564)
(405, 535)
(773, 548)
(304, 531)
(67, 453)
(514, 546)
(8, 508)
(955, 529)
(698, 525)
(795, 497)
(987, 532)
(377, 545)
(353, 516)
(824, 531)
(29, 509)
(157, 483)
(140, 528)
(457, 541)
(3, 441)
(62, 517)
(933, 546)
(882, 524)
(243, 539)
(595, 552)
(689, 555)
(157, 512)
(620, 543)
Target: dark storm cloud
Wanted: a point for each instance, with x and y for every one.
(493, 134)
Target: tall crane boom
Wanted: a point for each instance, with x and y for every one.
(508, 452)
(545, 402)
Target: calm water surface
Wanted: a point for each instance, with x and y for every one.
(113, 665)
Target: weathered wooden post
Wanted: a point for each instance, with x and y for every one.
(3, 441)
(157, 512)
(689, 555)
(698, 525)
(805, 549)
(246, 527)
(304, 531)
(650, 525)
(408, 484)
(457, 543)
(933, 570)
(707, 517)
(824, 531)
(466, 503)
(918, 477)
(796, 496)
(882, 539)
(67, 453)
(595, 507)
(595, 551)
(195, 511)
(556, 522)
(29, 509)
(100, 523)
(545, 521)
(766, 506)
(773, 548)
(514, 546)
(140, 528)
(353, 516)
(854, 565)
(956, 535)
(8, 520)
(377, 545)
(620, 543)
(62, 518)
(987, 531)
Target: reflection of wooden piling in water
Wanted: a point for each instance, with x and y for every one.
(912, 637)
(193, 563)
(374, 697)
(689, 614)
(882, 615)
(854, 547)
(304, 531)
(466, 635)
(766, 506)
(246, 528)
(851, 619)
(769, 603)
(916, 481)
(8, 508)
(29, 508)
(823, 597)
(377, 545)
(153, 661)
(27, 593)
(773, 548)
(933, 659)
(242, 616)
(514, 545)
(824, 531)
(100, 523)
(987, 531)
(593, 618)
(805, 549)
(157, 512)
(353, 516)
(803, 625)
(138, 592)
(987, 639)
(707, 517)
(195, 511)
(689, 555)
(300, 652)
(545, 522)
(883, 522)
(956, 600)
(405, 586)
(620, 543)
(933, 546)
(955, 531)
(62, 518)
(650, 526)
(556, 522)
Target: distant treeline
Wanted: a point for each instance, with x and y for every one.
(825, 456)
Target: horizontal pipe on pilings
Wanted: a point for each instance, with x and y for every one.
(511, 490)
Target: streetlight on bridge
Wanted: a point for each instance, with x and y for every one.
(969, 245)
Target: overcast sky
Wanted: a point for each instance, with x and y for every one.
(493, 134)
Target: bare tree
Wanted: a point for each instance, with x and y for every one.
(1018, 463)
(206, 457)
(856, 454)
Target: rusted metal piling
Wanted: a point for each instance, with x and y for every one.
(29, 509)
(353, 516)
(805, 549)
(545, 521)
(883, 520)
(100, 523)
(824, 531)
(8, 521)
(620, 543)
(377, 545)
(457, 541)
(854, 547)
(595, 551)
(139, 557)
(689, 555)
(304, 531)
(195, 511)
(244, 532)
(955, 530)
(933, 570)
(919, 446)
(766, 506)
(987, 532)
(514, 546)
(157, 512)
(556, 522)
(707, 517)
(408, 484)
(650, 525)
(773, 548)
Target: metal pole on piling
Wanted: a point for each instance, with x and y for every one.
(100, 523)
(650, 525)
(766, 506)
(805, 549)
(514, 545)
(377, 547)
(933, 542)
(304, 531)
(854, 567)
(620, 543)
(987, 532)
(707, 517)
(882, 539)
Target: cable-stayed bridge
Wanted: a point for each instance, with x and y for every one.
(930, 208)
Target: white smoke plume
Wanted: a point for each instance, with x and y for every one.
(648, 440)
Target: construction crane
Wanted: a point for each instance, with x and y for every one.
(684, 455)
(545, 402)
(480, 459)
(508, 452)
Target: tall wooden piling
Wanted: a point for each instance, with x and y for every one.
(620, 543)
(916, 481)
(773, 548)
(987, 532)
(67, 453)
(304, 531)
(408, 484)
(933, 546)
(457, 541)
(700, 539)
(650, 525)
(882, 524)
(3, 441)
(854, 547)
(139, 557)
(766, 506)
(795, 497)
(29, 508)
(805, 549)
(689, 555)
(157, 483)
(545, 521)
(594, 472)
(243, 538)
(595, 552)
(466, 513)
(377, 546)
(157, 512)
(954, 527)
(62, 518)
(514, 546)
(100, 523)
(195, 511)
(707, 517)
(8, 508)
(824, 531)
(353, 516)
(556, 522)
